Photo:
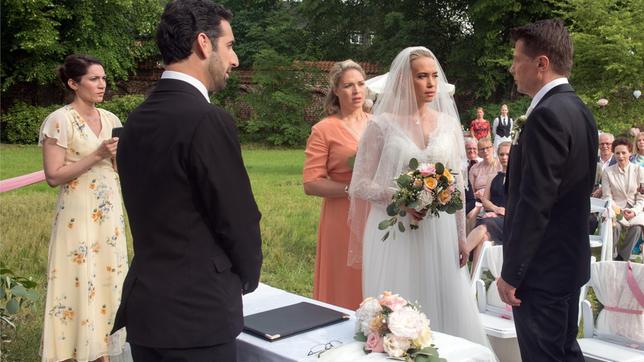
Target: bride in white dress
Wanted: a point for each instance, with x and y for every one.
(414, 117)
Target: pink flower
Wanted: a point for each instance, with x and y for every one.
(374, 343)
(427, 169)
(392, 301)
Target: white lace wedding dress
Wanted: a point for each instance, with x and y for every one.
(421, 265)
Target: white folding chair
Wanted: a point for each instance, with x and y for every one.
(618, 332)
(605, 238)
(496, 316)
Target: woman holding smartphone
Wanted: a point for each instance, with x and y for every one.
(87, 250)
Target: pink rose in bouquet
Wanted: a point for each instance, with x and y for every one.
(392, 301)
(426, 169)
(374, 343)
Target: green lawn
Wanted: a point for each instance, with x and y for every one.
(289, 225)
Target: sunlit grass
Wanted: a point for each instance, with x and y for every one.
(289, 223)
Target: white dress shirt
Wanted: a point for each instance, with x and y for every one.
(170, 74)
(542, 92)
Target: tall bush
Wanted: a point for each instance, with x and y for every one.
(277, 102)
(21, 123)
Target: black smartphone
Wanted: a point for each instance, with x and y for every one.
(116, 131)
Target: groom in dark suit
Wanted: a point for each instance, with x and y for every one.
(546, 255)
(195, 224)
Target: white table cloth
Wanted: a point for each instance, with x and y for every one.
(296, 348)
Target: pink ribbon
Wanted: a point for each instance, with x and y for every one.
(622, 310)
(632, 284)
(635, 289)
(21, 181)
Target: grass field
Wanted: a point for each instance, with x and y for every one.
(289, 225)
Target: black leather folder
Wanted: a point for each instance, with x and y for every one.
(279, 323)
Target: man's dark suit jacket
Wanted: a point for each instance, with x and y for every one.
(194, 221)
(551, 175)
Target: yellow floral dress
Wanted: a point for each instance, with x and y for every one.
(87, 250)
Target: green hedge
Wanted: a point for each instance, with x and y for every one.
(21, 123)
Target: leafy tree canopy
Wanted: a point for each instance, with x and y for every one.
(38, 34)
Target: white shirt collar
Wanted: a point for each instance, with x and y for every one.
(170, 74)
(542, 92)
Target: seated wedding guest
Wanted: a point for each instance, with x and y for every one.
(621, 182)
(87, 249)
(327, 173)
(490, 227)
(472, 153)
(481, 174)
(605, 159)
(480, 127)
(501, 127)
(638, 155)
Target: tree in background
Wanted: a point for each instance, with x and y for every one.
(266, 24)
(277, 102)
(608, 58)
(485, 49)
(38, 34)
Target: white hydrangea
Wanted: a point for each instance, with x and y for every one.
(368, 309)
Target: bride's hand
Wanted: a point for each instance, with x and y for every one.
(416, 215)
(463, 254)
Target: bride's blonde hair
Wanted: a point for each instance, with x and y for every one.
(420, 53)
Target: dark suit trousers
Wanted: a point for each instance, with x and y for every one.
(546, 325)
(226, 352)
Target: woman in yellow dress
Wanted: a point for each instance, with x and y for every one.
(87, 250)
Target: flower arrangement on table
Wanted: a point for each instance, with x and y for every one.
(426, 187)
(390, 324)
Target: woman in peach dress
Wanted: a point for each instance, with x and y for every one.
(327, 172)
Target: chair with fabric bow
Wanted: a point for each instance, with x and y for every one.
(496, 316)
(618, 332)
(605, 238)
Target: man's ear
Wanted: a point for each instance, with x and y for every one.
(543, 63)
(202, 46)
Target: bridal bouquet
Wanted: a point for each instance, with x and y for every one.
(426, 187)
(396, 327)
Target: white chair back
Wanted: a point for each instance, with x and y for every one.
(491, 259)
(605, 238)
(623, 314)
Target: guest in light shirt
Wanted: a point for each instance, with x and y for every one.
(606, 159)
(638, 148)
(621, 182)
(472, 152)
